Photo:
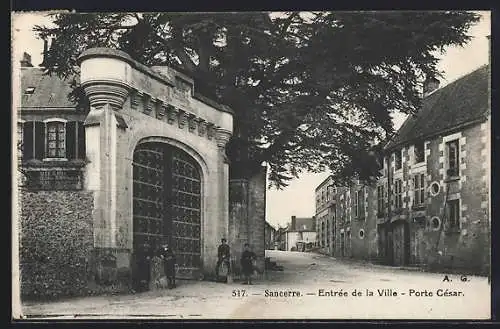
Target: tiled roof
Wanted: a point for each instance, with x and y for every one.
(49, 91)
(460, 102)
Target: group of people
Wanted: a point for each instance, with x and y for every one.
(247, 260)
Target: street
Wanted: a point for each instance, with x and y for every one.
(311, 286)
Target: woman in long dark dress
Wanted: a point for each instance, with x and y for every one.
(247, 267)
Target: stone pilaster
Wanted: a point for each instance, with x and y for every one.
(222, 137)
(102, 127)
(100, 134)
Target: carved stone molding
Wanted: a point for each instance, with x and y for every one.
(106, 92)
(182, 119)
(171, 114)
(160, 110)
(192, 122)
(202, 127)
(222, 136)
(147, 103)
(210, 131)
(135, 98)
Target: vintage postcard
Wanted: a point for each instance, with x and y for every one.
(251, 165)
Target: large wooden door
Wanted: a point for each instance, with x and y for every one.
(166, 209)
(401, 244)
(149, 209)
(186, 213)
(390, 247)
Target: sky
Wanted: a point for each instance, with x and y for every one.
(298, 198)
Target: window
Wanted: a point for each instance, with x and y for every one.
(398, 194)
(20, 136)
(435, 223)
(56, 139)
(453, 208)
(452, 153)
(419, 189)
(359, 201)
(322, 234)
(326, 232)
(398, 160)
(419, 151)
(435, 188)
(380, 200)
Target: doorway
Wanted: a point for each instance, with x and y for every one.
(166, 209)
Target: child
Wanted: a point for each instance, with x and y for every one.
(247, 259)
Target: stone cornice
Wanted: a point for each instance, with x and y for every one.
(177, 116)
(118, 54)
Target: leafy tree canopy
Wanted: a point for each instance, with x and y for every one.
(311, 91)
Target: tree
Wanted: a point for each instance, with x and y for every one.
(310, 91)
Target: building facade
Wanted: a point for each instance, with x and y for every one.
(300, 234)
(270, 236)
(345, 223)
(151, 151)
(430, 206)
(325, 216)
(434, 194)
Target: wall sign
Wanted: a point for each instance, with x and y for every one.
(54, 180)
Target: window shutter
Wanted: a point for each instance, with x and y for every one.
(27, 147)
(81, 141)
(70, 140)
(39, 140)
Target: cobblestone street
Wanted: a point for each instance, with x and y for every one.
(317, 287)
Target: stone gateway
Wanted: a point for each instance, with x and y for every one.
(157, 165)
(147, 154)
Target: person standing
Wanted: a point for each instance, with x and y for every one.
(169, 261)
(247, 263)
(223, 254)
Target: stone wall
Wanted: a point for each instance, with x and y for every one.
(56, 243)
(257, 215)
(247, 208)
(238, 220)
(467, 249)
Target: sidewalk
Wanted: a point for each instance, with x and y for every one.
(423, 268)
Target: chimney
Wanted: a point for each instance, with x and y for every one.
(44, 53)
(293, 223)
(430, 84)
(26, 60)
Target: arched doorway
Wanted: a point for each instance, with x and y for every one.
(166, 209)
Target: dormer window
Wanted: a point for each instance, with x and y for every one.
(419, 151)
